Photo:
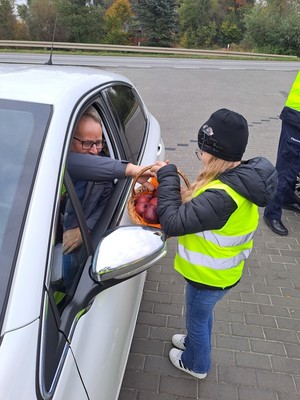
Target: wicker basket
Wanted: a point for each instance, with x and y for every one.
(135, 192)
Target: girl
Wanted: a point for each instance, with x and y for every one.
(215, 221)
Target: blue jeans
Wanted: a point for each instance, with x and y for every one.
(199, 320)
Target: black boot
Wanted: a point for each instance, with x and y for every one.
(276, 226)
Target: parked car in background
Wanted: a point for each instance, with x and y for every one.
(57, 342)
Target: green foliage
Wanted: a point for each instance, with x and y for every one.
(80, 23)
(118, 22)
(196, 23)
(207, 23)
(271, 26)
(8, 20)
(289, 39)
(75, 20)
(274, 27)
(158, 21)
(40, 19)
(229, 33)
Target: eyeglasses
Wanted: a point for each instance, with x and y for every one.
(198, 153)
(88, 144)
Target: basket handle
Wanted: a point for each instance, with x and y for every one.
(142, 171)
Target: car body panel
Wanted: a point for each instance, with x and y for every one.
(114, 355)
(15, 380)
(59, 84)
(94, 360)
(18, 373)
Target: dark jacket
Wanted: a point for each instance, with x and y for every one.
(88, 167)
(93, 178)
(255, 180)
(291, 117)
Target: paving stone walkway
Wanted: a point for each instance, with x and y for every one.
(256, 334)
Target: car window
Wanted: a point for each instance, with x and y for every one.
(66, 266)
(82, 203)
(23, 126)
(131, 117)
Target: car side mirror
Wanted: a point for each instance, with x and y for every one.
(127, 251)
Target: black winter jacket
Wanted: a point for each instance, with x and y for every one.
(255, 179)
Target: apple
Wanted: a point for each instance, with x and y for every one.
(141, 207)
(143, 198)
(150, 214)
(153, 201)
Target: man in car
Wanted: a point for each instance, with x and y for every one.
(92, 176)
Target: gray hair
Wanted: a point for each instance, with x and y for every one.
(92, 113)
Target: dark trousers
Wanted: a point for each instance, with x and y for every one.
(288, 167)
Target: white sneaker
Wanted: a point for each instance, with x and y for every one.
(178, 341)
(175, 358)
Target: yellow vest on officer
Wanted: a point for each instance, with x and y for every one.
(216, 257)
(293, 100)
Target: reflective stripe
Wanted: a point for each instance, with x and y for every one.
(216, 258)
(225, 241)
(210, 262)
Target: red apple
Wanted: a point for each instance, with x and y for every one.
(150, 214)
(143, 198)
(141, 207)
(153, 201)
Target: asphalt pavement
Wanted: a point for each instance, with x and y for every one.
(256, 333)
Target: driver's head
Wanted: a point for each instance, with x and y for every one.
(88, 135)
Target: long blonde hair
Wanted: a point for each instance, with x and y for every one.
(208, 174)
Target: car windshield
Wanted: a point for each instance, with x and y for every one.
(23, 127)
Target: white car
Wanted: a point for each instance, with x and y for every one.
(59, 343)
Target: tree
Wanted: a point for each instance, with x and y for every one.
(8, 21)
(83, 23)
(40, 18)
(209, 23)
(197, 26)
(158, 20)
(117, 22)
(274, 27)
(74, 20)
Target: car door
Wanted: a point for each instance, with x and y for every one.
(101, 341)
(88, 337)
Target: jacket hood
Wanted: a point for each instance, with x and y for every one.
(255, 179)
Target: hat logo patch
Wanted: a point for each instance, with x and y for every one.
(208, 130)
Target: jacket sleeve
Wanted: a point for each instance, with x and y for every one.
(88, 167)
(210, 210)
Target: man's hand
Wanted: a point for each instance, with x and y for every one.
(133, 170)
(71, 240)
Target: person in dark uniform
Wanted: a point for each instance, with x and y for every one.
(287, 163)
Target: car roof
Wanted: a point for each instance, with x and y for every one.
(47, 83)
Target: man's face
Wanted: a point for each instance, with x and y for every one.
(87, 130)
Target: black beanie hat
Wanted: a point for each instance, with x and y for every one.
(224, 135)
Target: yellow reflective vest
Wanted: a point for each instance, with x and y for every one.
(216, 257)
(293, 100)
